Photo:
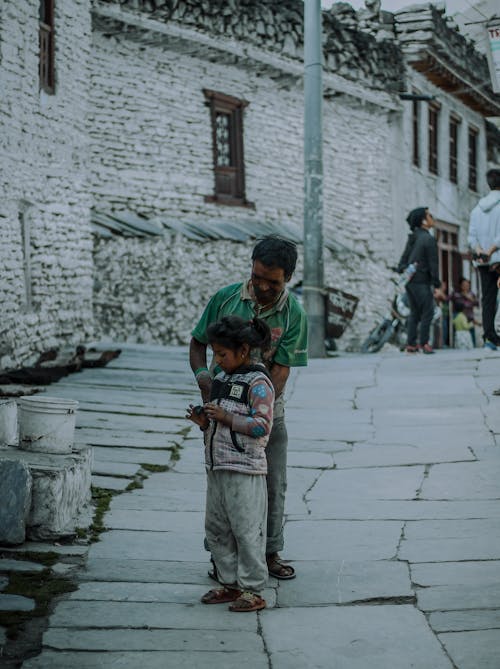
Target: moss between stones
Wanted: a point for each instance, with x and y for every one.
(42, 587)
(102, 499)
(154, 468)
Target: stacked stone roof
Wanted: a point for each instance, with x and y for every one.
(278, 26)
(438, 50)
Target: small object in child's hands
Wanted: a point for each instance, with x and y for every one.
(198, 410)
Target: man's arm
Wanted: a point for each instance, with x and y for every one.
(279, 376)
(198, 362)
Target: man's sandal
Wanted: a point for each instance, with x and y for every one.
(279, 569)
(220, 596)
(247, 602)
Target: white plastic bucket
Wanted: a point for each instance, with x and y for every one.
(47, 424)
(8, 423)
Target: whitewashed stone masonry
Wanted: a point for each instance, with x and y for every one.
(151, 147)
(46, 249)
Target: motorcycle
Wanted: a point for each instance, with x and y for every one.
(393, 327)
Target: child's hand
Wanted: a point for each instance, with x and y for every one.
(216, 412)
(198, 416)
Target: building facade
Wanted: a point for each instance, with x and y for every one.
(46, 249)
(190, 121)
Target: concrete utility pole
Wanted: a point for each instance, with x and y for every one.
(313, 285)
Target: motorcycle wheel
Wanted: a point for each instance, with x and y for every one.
(378, 337)
(401, 337)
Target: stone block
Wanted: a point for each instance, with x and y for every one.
(60, 492)
(16, 487)
(16, 603)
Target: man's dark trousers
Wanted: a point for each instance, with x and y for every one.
(489, 292)
(421, 311)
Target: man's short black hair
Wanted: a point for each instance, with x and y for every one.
(274, 251)
(493, 179)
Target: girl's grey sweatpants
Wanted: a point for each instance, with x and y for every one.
(235, 527)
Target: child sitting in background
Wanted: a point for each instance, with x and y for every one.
(462, 327)
(236, 424)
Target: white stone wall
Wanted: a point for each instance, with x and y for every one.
(151, 148)
(154, 290)
(415, 186)
(45, 294)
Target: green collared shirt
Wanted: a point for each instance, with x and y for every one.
(286, 319)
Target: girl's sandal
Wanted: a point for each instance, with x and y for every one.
(220, 596)
(247, 602)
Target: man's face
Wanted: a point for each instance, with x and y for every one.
(430, 220)
(267, 282)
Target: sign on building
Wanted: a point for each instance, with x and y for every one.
(493, 51)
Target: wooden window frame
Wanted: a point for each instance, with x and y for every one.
(415, 119)
(454, 130)
(229, 180)
(433, 135)
(472, 141)
(47, 46)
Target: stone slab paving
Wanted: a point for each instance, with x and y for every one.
(153, 639)
(344, 582)
(111, 483)
(355, 637)
(451, 540)
(476, 480)
(150, 660)
(20, 566)
(382, 454)
(473, 649)
(16, 603)
(451, 621)
(103, 454)
(392, 522)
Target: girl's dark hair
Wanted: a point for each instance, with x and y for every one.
(233, 331)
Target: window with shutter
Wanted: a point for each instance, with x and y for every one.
(47, 50)
(473, 134)
(227, 138)
(453, 146)
(433, 137)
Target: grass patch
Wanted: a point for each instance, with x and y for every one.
(134, 485)
(42, 587)
(175, 452)
(154, 468)
(102, 499)
(48, 558)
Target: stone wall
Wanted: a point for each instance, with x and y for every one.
(151, 149)
(45, 254)
(154, 290)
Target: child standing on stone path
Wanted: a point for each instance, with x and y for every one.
(236, 423)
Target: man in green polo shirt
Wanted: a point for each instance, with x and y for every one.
(264, 295)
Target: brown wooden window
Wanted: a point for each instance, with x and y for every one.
(227, 138)
(454, 128)
(473, 135)
(433, 138)
(47, 51)
(416, 132)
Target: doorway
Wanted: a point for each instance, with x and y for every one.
(450, 270)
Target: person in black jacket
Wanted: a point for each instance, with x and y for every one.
(423, 286)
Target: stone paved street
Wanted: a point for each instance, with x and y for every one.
(393, 522)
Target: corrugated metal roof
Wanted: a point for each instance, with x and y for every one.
(128, 224)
